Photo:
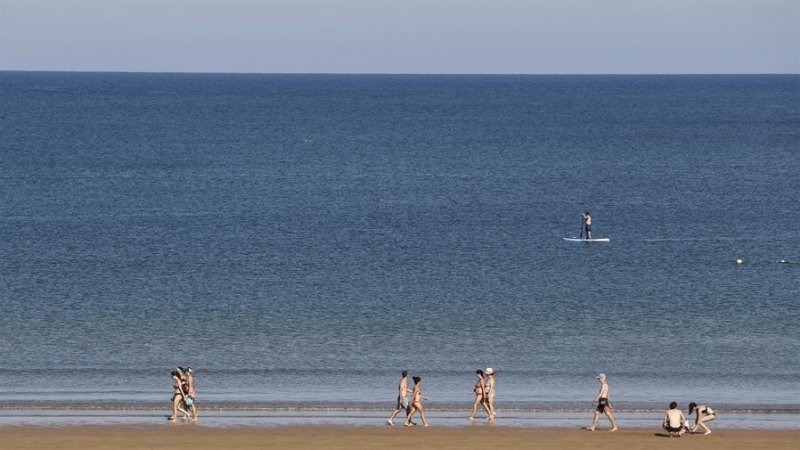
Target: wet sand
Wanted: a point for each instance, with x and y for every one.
(355, 438)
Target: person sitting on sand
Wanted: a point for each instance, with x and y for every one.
(480, 397)
(602, 400)
(674, 420)
(402, 398)
(416, 403)
(704, 414)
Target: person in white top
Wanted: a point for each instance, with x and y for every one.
(674, 420)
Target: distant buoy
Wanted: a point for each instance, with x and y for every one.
(739, 261)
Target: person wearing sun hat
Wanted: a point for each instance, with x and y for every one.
(603, 404)
(190, 392)
(489, 391)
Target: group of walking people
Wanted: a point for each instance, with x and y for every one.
(484, 391)
(183, 395)
(674, 422)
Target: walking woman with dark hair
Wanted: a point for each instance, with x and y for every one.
(178, 396)
(416, 403)
(480, 395)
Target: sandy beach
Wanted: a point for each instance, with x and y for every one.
(355, 438)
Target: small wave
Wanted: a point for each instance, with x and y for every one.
(355, 408)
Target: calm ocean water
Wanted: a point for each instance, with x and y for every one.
(301, 239)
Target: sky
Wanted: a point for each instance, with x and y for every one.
(402, 36)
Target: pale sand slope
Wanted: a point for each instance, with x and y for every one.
(166, 437)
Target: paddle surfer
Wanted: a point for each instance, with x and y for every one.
(587, 224)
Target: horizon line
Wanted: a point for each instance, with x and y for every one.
(408, 73)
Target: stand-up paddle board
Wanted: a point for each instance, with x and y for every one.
(587, 240)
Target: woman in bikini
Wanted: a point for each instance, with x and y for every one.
(704, 414)
(416, 403)
(480, 398)
(178, 396)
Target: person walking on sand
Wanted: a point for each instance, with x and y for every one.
(178, 394)
(490, 387)
(402, 398)
(603, 404)
(480, 398)
(190, 393)
(704, 414)
(416, 403)
(587, 224)
(674, 421)
(185, 387)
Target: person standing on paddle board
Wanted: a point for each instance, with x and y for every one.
(587, 224)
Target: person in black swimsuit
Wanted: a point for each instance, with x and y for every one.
(704, 414)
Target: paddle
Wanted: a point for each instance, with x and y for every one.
(582, 221)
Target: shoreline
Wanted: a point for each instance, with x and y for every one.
(221, 418)
(337, 406)
(355, 438)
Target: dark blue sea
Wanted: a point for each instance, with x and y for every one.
(301, 239)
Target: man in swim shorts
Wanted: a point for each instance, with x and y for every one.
(587, 224)
(603, 404)
(402, 398)
(674, 421)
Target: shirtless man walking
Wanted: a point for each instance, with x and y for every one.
(402, 398)
(603, 404)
